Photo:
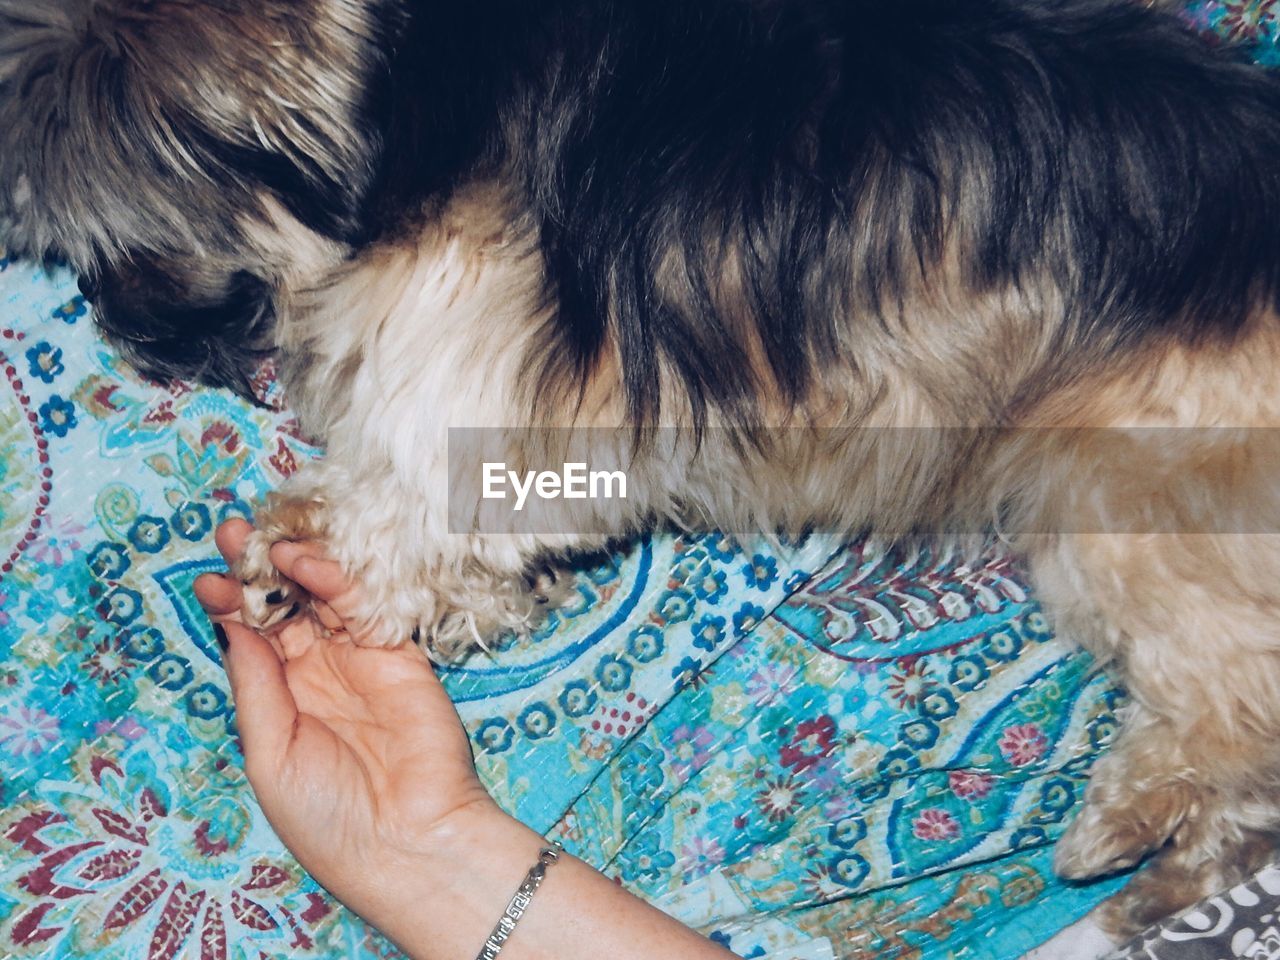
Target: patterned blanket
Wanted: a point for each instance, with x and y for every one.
(809, 751)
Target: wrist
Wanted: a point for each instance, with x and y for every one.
(441, 898)
(472, 829)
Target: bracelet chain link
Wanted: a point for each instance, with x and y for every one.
(547, 857)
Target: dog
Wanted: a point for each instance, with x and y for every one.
(796, 264)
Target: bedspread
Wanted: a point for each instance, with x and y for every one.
(808, 750)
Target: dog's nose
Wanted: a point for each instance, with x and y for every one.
(88, 287)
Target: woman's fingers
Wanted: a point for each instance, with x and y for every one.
(334, 599)
(306, 565)
(327, 617)
(230, 538)
(326, 580)
(287, 552)
(265, 709)
(220, 596)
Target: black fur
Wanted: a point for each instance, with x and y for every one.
(217, 335)
(839, 146)
(832, 148)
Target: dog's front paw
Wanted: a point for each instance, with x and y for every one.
(479, 610)
(550, 587)
(269, 598)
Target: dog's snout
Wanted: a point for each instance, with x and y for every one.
(89, 286)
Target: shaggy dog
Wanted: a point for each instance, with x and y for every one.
(795, 264)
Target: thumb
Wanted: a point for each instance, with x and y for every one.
(321, 577)
(265, 709)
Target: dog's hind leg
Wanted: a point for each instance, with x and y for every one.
(1151, 509)
(1194, 777)
(1192, 781)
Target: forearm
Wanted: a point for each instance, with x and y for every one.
(443, 905)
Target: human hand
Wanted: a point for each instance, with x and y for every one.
(359, 761)
(356, 754)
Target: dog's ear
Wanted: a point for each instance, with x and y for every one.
(173, 320)
(181, 156)
(166, 125)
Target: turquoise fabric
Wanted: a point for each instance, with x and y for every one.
(1252, 24)
(805, 750)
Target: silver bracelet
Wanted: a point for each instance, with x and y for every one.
(547, 856)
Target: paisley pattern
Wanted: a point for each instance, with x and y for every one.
(807, 751)
(767, 741)
(1254, 24)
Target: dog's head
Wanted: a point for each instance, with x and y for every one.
(169, 151)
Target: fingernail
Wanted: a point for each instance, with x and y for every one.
(221, 634)
(275, 596)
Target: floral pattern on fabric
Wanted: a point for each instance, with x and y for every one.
(1253, 24)
(761, 739)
